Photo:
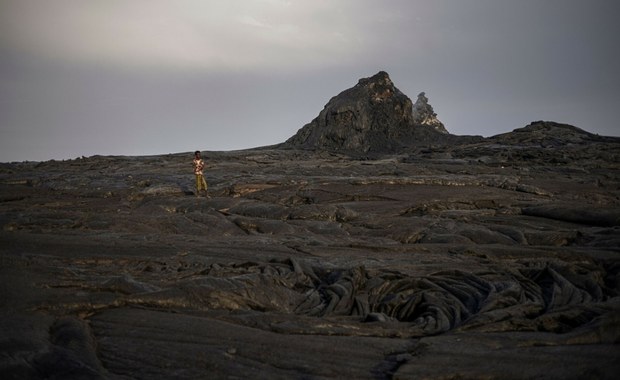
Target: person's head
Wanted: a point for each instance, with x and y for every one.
(197, 154)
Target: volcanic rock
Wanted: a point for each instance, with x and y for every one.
(539, 143)
(549, 134)
(472, 258)
(372, 116)
(423, 114)
(491, 259)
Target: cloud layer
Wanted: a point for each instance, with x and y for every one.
(236, 34)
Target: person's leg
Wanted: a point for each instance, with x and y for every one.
(198, 184)
(204, 185)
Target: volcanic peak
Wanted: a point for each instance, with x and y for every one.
(372, 116)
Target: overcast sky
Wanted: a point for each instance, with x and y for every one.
(139, 77)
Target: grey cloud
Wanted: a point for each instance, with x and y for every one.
(147, 77)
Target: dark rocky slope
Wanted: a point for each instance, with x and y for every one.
(490, 258)
(372, 117)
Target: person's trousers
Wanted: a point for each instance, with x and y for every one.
(201, 183)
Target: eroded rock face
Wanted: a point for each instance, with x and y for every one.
(423, 114)
(492, 259)
(372, 116)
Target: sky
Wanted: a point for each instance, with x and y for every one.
(143, 77)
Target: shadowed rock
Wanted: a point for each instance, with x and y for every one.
(373, 116)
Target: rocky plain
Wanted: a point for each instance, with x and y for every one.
(373, 244)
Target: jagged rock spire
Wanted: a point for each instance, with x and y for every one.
(373, 115)
(423, 114)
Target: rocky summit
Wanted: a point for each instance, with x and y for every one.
(373, 116)
(491, 258)
(423, 114)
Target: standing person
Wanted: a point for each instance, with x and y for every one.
(201, 183)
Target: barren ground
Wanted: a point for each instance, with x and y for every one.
(463, 263)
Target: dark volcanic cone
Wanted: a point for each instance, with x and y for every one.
(372, 116)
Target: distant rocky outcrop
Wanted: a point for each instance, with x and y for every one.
(372, 116)
(423, 114)
(548, 134)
